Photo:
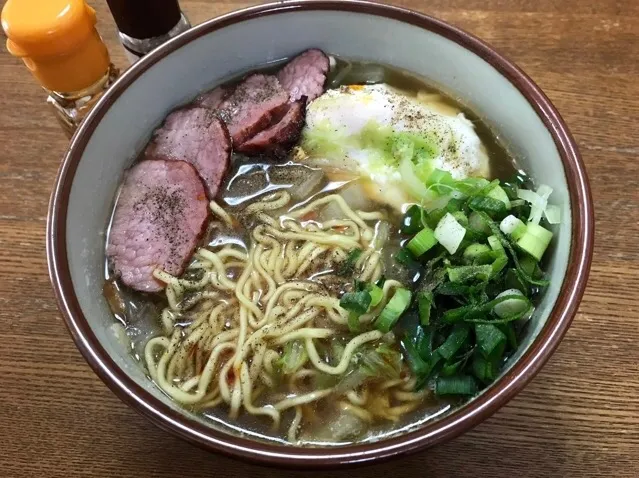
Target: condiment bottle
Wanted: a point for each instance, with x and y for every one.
(59, 44)
(145, 24)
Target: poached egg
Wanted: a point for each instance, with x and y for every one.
(395, 139)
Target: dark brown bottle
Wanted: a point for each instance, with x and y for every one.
(145, 24)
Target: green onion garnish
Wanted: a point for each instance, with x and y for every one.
(449, 233)
(357, 301)
(515, 304)
(493, 207)
(484, 370)
(463, 274)
(513, 226)
(412, 220)
(456, 385)
(474, 312)
(489, 338)
(474, 251)
(422, 242)
(462, 324)
(404, 256)
(455, 340)
(393, 310)
(425, 303)
(535, 240)
(376, 294)
(353, 322)
(415, 362)
(498, 193)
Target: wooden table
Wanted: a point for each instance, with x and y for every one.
(578, 418)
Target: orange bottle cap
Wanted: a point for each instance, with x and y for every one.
(57, 41)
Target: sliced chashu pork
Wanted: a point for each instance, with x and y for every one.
(305, 75)
(159, 217)
(197, 136)
(282, 135)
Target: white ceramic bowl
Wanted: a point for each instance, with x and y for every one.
(120, 125)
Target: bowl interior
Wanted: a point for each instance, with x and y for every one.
(211, 57)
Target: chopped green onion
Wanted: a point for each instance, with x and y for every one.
(357, 301)
(404, 256)
(424, 304)
(487, 257)
(506, 245)
(416, 363)
(393, 310)
(456, 385)
(376, 295)
(510, 188)
(421, 242)
(474, 312)
(553, 214)
(529, 265)
(454, 205)
(493, 207)
(513, 226)
(434, 216)
(449, 233)
(488, 188)
(489, 339)
(451, 368)
(510, 333)
(461, 218)
(453, 289)
(535, 241)
(498, 193)
(476, 223)
(540, 232)
(474, 251)
(460, 327)
(501, 260)
(498, 264)
(455, 340)
(484, 370)
(538, 201)
(463, 274)
(353, 322)
(513, 281)
(495, 244)
(471, 186)
(412, 220)
(517, 303)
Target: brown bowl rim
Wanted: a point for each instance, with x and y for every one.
(429, 434)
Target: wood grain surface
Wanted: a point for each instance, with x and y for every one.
(578, 418)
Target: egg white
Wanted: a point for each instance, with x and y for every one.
(340, 115)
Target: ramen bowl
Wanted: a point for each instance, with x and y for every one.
(121, 123)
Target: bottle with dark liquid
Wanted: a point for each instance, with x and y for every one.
(145, 24)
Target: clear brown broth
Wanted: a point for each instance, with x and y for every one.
(250, 178)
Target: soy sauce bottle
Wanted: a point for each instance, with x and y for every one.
(145, 24)
(58, 43)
